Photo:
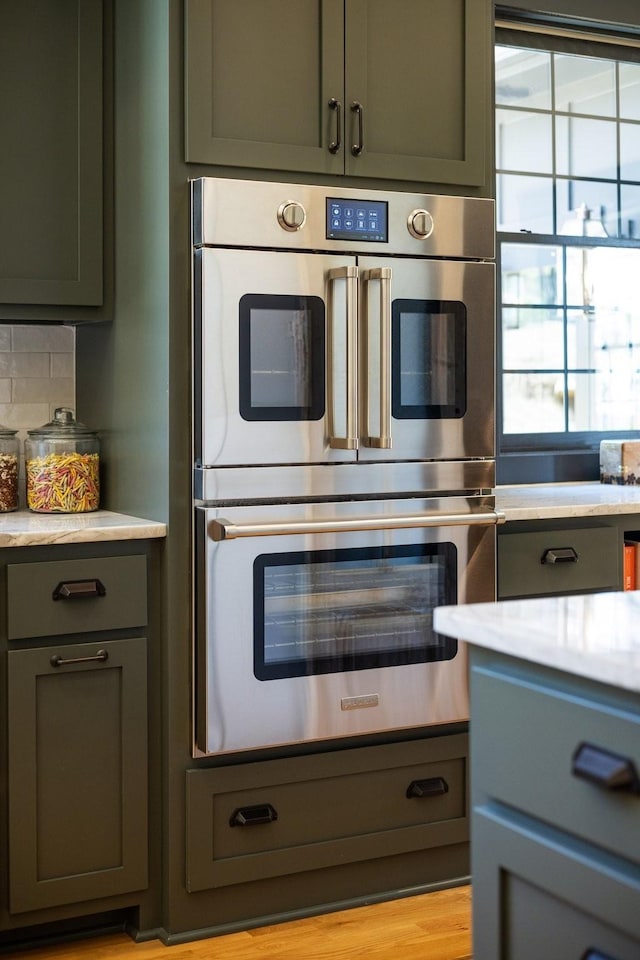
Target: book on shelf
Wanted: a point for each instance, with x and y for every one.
(631, 565)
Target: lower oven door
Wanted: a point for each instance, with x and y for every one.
(315, 621)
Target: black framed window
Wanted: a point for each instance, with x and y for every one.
(281, 357)
(334, 611)
(568, 221)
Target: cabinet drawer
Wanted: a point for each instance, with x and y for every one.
(307, 813)
(545, 897)
(536, 731)
(119, 600)
(585, 560)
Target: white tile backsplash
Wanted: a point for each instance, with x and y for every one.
(62, 365)
(37, 374)
(52, 390)
(25, 365)
(34, 339)
(38, 363)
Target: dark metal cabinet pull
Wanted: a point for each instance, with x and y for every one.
(607, 770)
(433, 787)
(251, 816)
(334, 104)
(79, 589)
(559, 555)
(358, 146)
(58, 661)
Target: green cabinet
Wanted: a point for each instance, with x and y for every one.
(51, 184)
(77, 764)
(395, 89)
(556, 856)
(77, 753)
(558, 557)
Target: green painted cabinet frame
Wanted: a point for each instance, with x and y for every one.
(51, 162)
(77, 742)
(274, 84)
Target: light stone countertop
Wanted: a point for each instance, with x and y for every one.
(23, 528)
(593, 635)
(546, 501)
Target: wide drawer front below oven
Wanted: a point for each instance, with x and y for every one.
(259, 820)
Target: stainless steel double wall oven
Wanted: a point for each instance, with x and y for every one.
(344, 457)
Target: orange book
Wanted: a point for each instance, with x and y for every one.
(629, 566)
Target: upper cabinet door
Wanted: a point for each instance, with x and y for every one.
(417, 89)
(260, 76)
(51, 156)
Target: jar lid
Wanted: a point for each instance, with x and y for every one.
(62, 425)
(7, 431)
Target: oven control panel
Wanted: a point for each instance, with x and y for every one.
(366, 220)
(297, 216)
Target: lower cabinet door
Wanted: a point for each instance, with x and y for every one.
(542, 894)
(77, 745)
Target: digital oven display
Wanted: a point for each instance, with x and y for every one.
(357, 220)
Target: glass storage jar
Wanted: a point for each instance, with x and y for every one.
(62, 464)
(9, 454)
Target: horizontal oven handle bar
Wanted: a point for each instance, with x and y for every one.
(225, 530)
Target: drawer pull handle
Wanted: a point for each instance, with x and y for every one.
(58, 661)
(559, 555)
(592, 954)
(607, 770)
(251, 816)
(79, 589)
(433, 787)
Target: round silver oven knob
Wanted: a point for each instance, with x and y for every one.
(420, 224)
(292, 215)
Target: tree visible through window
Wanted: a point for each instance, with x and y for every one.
(568, 220)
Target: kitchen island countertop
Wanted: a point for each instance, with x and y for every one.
(546, 501)
(22, 528)
(592, 635)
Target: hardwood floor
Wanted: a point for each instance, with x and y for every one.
(433, 926)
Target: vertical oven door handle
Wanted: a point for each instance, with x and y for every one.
(225, 530)
(350, 396)
(383, 438)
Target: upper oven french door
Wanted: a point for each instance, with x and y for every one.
(276, 361)
(308, 358)
(426, 359)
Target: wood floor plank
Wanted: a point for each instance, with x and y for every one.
(433, 926)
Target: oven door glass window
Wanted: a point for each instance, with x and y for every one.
(429, 367)
(332, 611)
(282, 351)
